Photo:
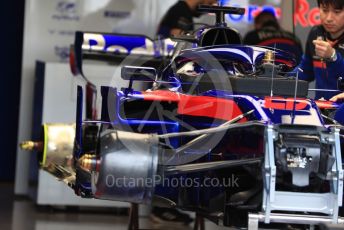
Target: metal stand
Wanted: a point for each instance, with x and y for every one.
(254, 219)
(199, 222)
(134, 217)
(287, 201)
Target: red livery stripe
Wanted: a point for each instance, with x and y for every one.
(326, 104)
(204, 106)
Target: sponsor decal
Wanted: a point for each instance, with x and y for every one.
(121, 44)
(67, 33)
(250, 13)
(66, 10)
(62, 52)
(285, 103)
(305, 15)
(66, 7)
(116, 14)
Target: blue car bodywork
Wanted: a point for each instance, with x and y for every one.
(220, 130)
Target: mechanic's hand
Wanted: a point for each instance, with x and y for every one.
(338, 97)
(323, 49)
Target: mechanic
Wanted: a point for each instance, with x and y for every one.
(323, 60)
(179, 18)
(267, 32)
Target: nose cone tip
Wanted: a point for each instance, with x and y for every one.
(27, 145)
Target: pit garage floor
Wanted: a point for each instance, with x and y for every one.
(22, 214)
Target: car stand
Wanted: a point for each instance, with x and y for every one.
(299, 202)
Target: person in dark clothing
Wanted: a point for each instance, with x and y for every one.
(268, 32)
(323, 60)
(179, 17)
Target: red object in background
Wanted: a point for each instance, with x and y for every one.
(304, 15)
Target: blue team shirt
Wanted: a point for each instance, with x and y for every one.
(325, 73)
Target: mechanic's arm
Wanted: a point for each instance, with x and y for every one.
(338, 97)
(334, 60)
(323, 49)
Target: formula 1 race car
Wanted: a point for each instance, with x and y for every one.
(220, 130)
